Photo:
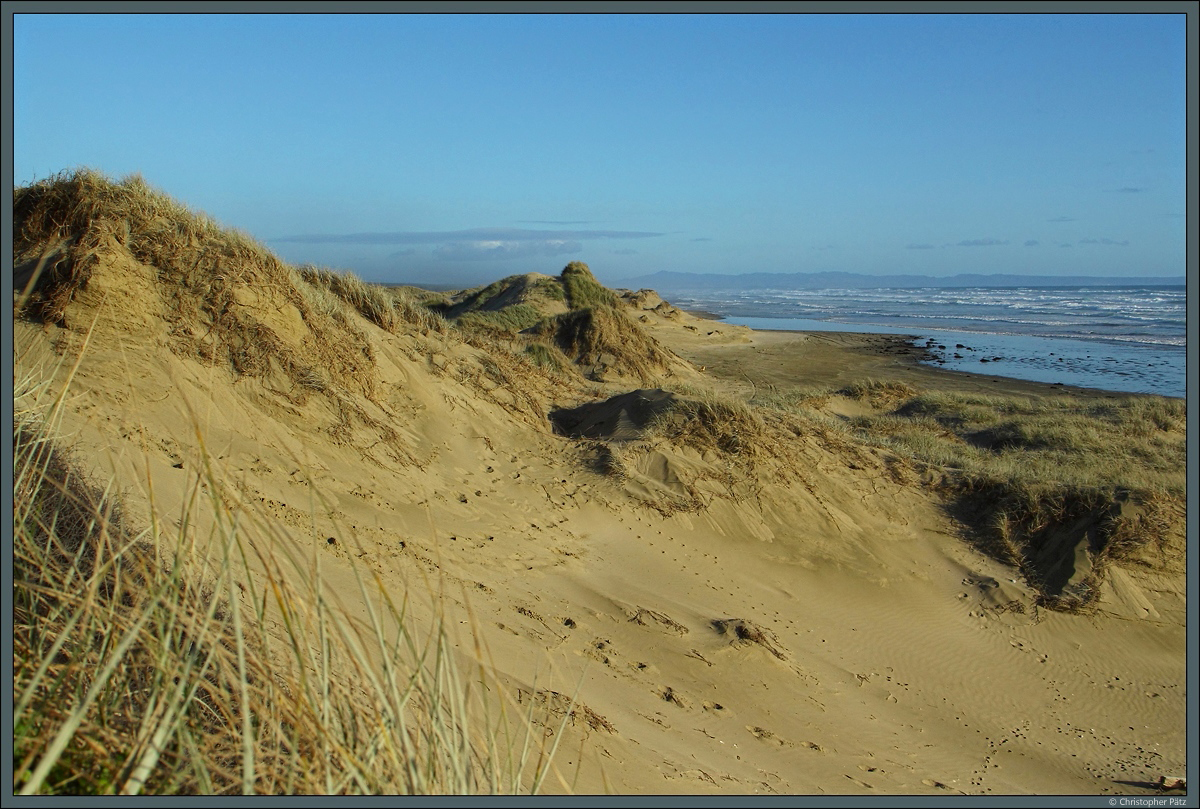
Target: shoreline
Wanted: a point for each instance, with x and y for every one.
(832, 359)
(891, 355)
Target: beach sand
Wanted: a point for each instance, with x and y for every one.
(818, 627)
(832, 359)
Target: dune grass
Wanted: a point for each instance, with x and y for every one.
(606, 340)
(595, 333)
(510, 319)
(226, 300)
(1024, 472)
(209, 659)
(387, 307)
(705, 420)
(548, 288)
(511, 304)
(546, 356)
(70, 218)
(1132, 442)
(1135, 443)
(528, 287)
(879, 392)
(582, 289)
(209, 280)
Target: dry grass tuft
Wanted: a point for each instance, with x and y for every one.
(509, 320)
(389, 308)
(593, 333)
(748, 632)
(706, 421)
(879, 393)
(1041, 530)
(226, 299)
(546, 356)
(370, 300)
(511, 377)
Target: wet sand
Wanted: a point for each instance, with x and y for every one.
(831, 360)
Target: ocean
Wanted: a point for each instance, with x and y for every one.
(1129, 339)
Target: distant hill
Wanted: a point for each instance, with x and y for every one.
(674, 281)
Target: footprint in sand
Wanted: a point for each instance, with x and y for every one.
(671, 695)
(601, 649)
(645, 617)
(743, 632)
(764, 735)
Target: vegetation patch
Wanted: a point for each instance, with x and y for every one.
(879, 393)
(1062, 538)
(226, 300)
(744, 632)
(221, 291)
(1059, 487)
(510, 319)
(713, 423)
(605, 341)
(387, 307)
(582, 289)
(510, 304)
(546, 356)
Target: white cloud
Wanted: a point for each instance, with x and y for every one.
(499, 249)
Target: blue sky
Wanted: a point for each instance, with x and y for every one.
(463, 148)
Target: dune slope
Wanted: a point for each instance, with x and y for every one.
(742, 601)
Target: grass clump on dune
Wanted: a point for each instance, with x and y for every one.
(388, 308)
(87, 246)
(594, 333)
(515, 289)
(510, 319)
(605, 340)
(707, 421)
(582, 289)
(1134, 442)
(67, 222)
(549, 288)
(205, 657)
(511, 304)
(1040, 529)
(879, 393)
(546, 356)
(369, 300)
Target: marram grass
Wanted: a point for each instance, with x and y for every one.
(1022, 469)
(140, 670)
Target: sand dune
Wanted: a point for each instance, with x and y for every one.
(743, 603)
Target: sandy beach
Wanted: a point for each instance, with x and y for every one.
(764, 609)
